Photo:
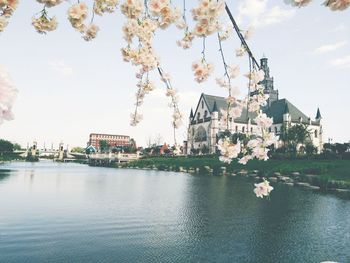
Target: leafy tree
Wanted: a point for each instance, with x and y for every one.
(16, 147)
(104, 146)
(5, 146)
(297, 134)
(341, 148)
(78, 150)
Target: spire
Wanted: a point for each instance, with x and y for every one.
(318, 114)
(215, 108)
(191, 114)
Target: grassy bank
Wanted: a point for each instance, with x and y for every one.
(323, 173)
(9, 157)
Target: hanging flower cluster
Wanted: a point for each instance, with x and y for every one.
(77, 15)
(165, 13)
(43, 23)
(228, 149)
(186, 41)
(50, 3)
(7, 7)
(334, 5)
(202, 70)
(141, 25)
(105, 6)
(207, 16)
(337, 5)
(8, 94)
(263, 189)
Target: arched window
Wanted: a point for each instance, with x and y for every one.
(201, 134)
(251, 129)
(236, 128)
(198, 116)
(202, 104)
(276, 130)
(243, 129)
(205, 113)
(316, 133)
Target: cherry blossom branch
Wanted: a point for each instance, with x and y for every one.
(243, 42)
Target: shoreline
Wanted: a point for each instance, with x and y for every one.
(298, 178)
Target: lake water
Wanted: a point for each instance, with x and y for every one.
(51, 212)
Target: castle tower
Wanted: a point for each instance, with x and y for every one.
(189, 133)
(286, 116)
(318, 119)
(268, 81)
(214, 128)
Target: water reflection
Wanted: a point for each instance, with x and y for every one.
(64, 211)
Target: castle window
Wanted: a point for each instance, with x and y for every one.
(201, 134)
(316, 133)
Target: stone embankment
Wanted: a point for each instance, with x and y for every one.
(293, 179)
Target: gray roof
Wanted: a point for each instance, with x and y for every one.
(275, 110)
(221, 104)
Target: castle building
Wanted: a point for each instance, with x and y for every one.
(203, 129)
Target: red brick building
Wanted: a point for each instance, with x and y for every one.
(112, 140)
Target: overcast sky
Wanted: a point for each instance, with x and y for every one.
(69, 88)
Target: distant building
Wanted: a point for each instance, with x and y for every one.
(203, 129)
(111, 139)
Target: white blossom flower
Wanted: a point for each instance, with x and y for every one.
(263, 121)
(50, 3)
(105, 6)
(43, 24)
(263, 189)
(91, 32)
(8, 94)
(132, 8)
(233, 71)
(77, 14)
(226, 33)
(248, 34)
(186, 41)
(202, 70)
(207, 17)
(135, 119)
(228, 150)
(3, 23)
(240, 52)
(337, 5)
(244, 160)
(297, 2)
